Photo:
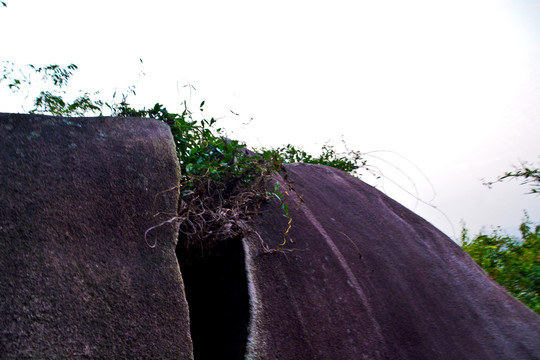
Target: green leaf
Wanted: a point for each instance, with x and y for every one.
(285, 208)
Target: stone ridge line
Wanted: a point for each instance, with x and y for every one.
(346, 268)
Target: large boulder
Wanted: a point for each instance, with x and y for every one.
(87, 272)
(369, 279)
(78, 277)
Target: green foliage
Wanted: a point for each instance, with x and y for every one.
(204, 152)
(222, 182)
(529, 174)
(348, 162)
(55, 75)
(513, 263)
(202, 149)
(56, 78)
(48, 102)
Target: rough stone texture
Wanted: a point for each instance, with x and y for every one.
(372, 280)
(77, 278)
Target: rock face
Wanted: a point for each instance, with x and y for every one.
(78, 279)
(366, 278)
(371, 280)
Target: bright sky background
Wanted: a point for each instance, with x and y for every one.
(452, 86)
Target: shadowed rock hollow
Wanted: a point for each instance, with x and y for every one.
(372, 280)
(77, 279)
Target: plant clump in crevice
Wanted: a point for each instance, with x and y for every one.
(222, 185)
(213, 209)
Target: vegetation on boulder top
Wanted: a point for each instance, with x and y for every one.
(223, 184)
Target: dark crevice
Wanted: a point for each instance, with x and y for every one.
(217, 294)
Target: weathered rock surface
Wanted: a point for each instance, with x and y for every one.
(371, 280)
(367, 278)
(77, 278)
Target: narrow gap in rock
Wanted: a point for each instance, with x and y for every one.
(217, 293)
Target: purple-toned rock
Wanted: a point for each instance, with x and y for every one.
(78, 279)
(369, 279)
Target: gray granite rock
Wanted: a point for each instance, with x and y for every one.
(77, 278)
(369, 279)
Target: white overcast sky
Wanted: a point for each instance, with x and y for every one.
(445, 89)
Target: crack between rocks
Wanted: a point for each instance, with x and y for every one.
(216, 289)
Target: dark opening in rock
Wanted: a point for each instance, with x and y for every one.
(217, 294)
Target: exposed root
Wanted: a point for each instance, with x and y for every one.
(211, 211)
(154, 227)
